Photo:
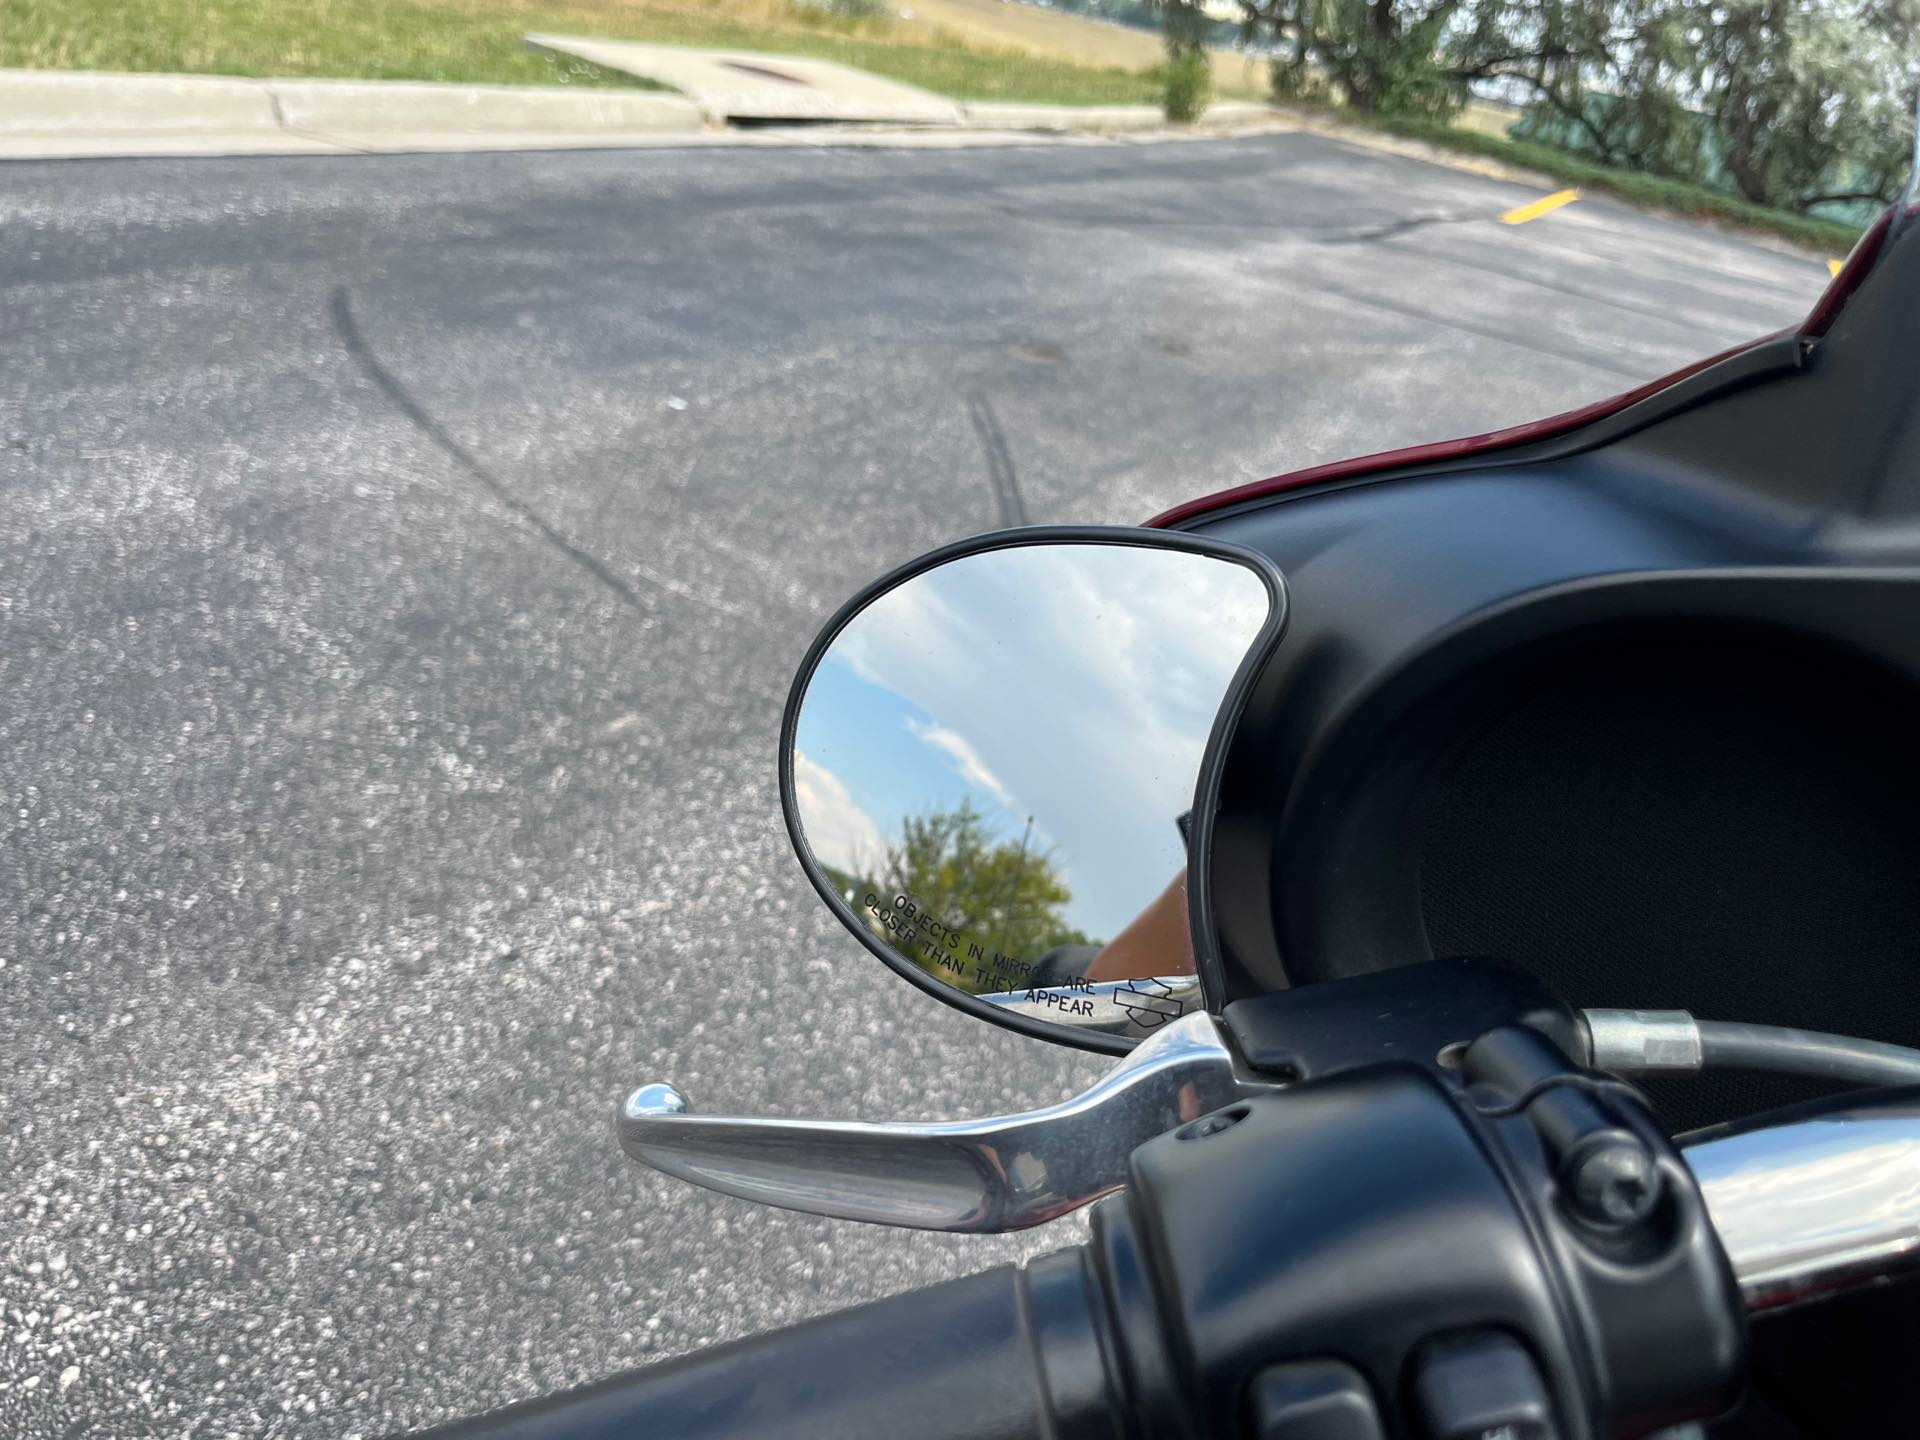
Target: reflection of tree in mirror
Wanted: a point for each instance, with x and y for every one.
(970, 907)
(847, 885)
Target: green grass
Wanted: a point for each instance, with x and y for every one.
(1678, 197)
(479, 41)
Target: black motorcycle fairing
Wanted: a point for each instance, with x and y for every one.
(1516, 691)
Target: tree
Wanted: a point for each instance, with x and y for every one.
(1792, 103)
(949, 893)
(1805, 100)
(1189, 77)
(1414, 57)
(1614, 91)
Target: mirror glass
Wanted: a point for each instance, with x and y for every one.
(992, 763)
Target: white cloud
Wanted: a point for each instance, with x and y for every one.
(1075, 685)
(967, 763)
(838, 831)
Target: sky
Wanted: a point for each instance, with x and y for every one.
(1073, 686)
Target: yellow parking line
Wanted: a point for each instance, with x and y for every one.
(1833, 266)
(1545, 205)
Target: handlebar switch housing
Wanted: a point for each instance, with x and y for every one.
(1471, 1386)
(1389, 1215)
(1312, 1400)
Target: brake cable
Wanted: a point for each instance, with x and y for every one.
(1655, 1041)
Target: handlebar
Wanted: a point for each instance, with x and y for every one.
(1818, 1202)
(1826, 1199)
(1013, 1351)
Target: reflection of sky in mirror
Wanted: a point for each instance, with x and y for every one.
(1070, 687)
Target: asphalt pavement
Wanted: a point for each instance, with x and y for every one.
(402, 565)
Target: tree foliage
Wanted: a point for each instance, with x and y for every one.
(1189, 77)
(949, 876)
(1789, 102)
(1415, 57)
(1189, 86)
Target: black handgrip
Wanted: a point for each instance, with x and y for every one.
(1013, 1352)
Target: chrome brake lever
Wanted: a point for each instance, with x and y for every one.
(966, 1177)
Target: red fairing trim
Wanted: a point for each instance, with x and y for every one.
(1860, 260)
(1832, 300)
(1446, 449)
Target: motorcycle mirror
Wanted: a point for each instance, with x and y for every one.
(991, 761)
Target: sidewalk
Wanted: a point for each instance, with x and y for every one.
(58, 114)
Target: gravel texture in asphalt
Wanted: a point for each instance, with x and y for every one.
(402, 565)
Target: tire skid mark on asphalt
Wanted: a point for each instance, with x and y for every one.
(1576, 355)
(1011, 509)
(1615, 300)
(356, 345)
(1393, 229)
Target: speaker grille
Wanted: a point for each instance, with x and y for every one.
(1723, 823)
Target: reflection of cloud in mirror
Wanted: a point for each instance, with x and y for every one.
(836, 826)
(1075, 684)
(966, 763)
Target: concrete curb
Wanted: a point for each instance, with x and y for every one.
(35, 102)
(1063, 119)
(51, 114)
(1101, 119)
(65, 115)
(367, 108)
